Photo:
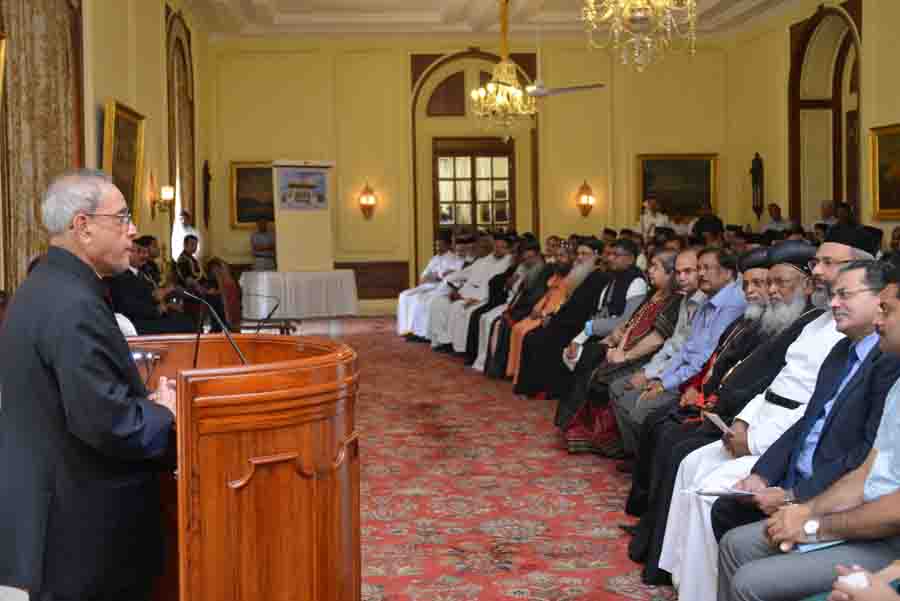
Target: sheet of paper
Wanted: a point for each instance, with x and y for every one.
(723, 492)
(715, 419)
(807, 547)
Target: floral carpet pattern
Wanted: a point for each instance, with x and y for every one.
(467, 493)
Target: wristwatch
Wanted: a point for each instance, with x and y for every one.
(811, 530)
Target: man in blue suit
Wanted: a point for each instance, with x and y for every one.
(833, 438)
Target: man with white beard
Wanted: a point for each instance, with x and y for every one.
(447, 314)
(758, 425)
(447, 260)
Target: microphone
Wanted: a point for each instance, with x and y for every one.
(194, 297)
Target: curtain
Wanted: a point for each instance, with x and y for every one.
(40, 120)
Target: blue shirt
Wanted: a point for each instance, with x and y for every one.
(805, 461)
(884, 477)
(711, 320)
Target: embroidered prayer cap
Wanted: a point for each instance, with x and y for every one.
(757, 258)
(854, 237)
(795, 253)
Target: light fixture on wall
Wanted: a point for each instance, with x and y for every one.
(367, 201)
(586, 200)
(503, 102)
(641, 30)
(163, 201)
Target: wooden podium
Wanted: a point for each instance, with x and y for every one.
(265, 502)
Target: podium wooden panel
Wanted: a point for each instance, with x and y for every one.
(267, 502)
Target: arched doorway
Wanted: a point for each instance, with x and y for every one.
(824, 107)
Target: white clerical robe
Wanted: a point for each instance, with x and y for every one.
(476, 286)
(475, 289)
(484, 335)
(439, 267)
(690, 552)
(421, 312)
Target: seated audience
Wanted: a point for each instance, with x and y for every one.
(609, 236)
(746, 360)
(135, 296)
(541, 356)
(622, 352)
(447, 260)
(724, 303)
(756, 427)
(150, 267)
(220, 272)
(190, 276)
(859, 508)
(558, 286)
(776, 222)
(710, 231)
(551, 248)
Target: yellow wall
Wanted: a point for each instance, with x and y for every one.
(125, 59)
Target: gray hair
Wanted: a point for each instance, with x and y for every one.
(73, 192)
(667, 260)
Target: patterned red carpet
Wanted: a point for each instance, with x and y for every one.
(467, 493)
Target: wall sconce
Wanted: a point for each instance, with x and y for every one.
(163, 201)
(367, 201)
(586, 200)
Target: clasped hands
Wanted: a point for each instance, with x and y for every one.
(737, 443)
(165, 395)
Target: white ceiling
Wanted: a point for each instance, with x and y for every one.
(261, 17)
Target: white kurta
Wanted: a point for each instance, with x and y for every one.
(421, 311)
(476, 287)
(460, 316)
(689, 528)
(438, 267)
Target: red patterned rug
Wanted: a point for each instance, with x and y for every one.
(467, 493)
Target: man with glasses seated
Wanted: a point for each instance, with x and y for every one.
(858, 514)
(763, 420)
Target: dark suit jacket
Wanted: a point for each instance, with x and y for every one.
(849, 430)
(132, 296)
(528, 296)
(80, 443)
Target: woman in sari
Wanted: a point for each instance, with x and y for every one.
(557, 293)
(584, 416)
(220, 273)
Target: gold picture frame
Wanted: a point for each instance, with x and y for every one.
(885, 171)
(123, 151)
(684, 184)
(252, 193)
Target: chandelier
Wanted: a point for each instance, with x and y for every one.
(641, 30)
(503, 102)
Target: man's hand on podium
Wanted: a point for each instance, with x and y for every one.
(165, 395)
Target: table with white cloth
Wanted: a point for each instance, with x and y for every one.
(299, 294)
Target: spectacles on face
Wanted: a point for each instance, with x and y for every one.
(826, 262)
(124, 217)
(844, 295)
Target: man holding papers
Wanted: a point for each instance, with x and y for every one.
(827, 445)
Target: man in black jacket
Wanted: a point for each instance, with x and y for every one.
(81, 441)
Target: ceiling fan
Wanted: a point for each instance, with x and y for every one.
(539, 90)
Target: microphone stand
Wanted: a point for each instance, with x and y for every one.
(218, 319)
(267, 317)
(197, 340)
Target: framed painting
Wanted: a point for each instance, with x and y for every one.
(123, 151)
(885, 157)
(252, 194)
(683, 184)
(302, 188)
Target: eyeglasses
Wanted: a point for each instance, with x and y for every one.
(846, 295)
(826, 262)
(782, 282)
(124, 218)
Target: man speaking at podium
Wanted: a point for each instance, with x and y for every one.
(81, 441)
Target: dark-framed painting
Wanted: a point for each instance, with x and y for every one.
(123, 150)
(252, 194)
(885, 158)
(683, 184)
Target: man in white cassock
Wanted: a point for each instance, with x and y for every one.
(690, 551)
(421, 312)
(447, 260)
(451, 312)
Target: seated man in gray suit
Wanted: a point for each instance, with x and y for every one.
(758, 561)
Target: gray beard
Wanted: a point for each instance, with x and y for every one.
(578, 274)
(781, 315)
(530, 277)
(754, 311)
